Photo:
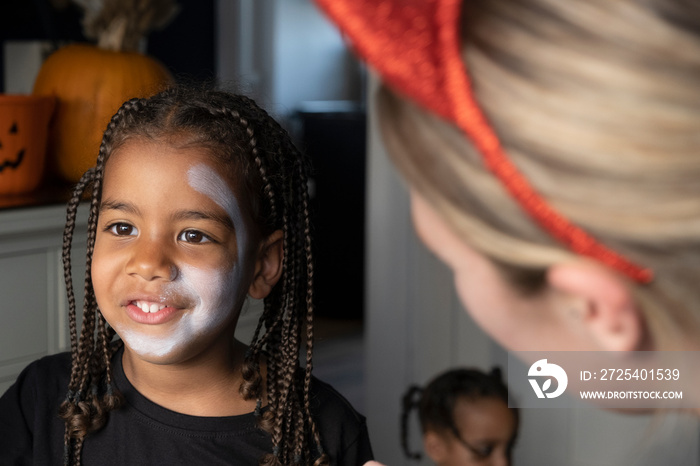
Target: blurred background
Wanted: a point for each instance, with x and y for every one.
(387, 313)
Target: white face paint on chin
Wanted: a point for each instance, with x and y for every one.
(214, 292)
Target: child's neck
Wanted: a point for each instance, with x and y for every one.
(203, 386)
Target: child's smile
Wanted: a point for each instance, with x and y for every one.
(148, 312)
(159, 308)
(171, 251)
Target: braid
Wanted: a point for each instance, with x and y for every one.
(289, 308)
(410, 400)
(66, 251)
(323, 458)
(90, 395)
(65, 409)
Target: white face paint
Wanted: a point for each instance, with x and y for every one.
(214, 292)
(204, 179)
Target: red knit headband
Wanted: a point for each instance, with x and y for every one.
(415, 46)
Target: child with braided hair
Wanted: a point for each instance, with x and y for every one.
(198, 200)
(464, 418)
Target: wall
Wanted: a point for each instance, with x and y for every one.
(311, 59)
(34, 312)
(284, 52)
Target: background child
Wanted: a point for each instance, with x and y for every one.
(198, 200)
(464, 418)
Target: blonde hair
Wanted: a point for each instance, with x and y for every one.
(598, 103)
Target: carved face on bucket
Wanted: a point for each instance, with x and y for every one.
(11, 151)
(172, 261)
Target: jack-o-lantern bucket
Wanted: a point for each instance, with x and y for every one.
(24, 123)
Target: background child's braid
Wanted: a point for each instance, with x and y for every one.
(411, 400)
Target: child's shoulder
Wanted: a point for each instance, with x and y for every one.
(49, 373)
(343, 429)
(32, 432)
(326, 400)
(50, 367)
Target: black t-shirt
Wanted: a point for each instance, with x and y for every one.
(144, 433)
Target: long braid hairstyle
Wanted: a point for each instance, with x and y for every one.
(436, 402)
(251, 146)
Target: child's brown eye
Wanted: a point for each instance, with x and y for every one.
(193, 236)
(122, 229)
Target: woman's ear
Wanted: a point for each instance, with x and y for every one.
(603, 301)
(268, 266)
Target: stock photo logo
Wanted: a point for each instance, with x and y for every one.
(542, 372)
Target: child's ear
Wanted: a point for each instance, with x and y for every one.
(435, 446)
(603, 301)
(268, 265)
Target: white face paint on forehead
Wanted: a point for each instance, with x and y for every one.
(213, 292)
(204, 179)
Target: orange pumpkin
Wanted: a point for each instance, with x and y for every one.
(24, 123)
(91, 83)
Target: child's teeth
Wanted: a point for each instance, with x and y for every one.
(149, 308)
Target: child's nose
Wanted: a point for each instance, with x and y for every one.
(152, 260)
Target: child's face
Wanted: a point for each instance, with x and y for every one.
(487, 425)
(172, 255)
